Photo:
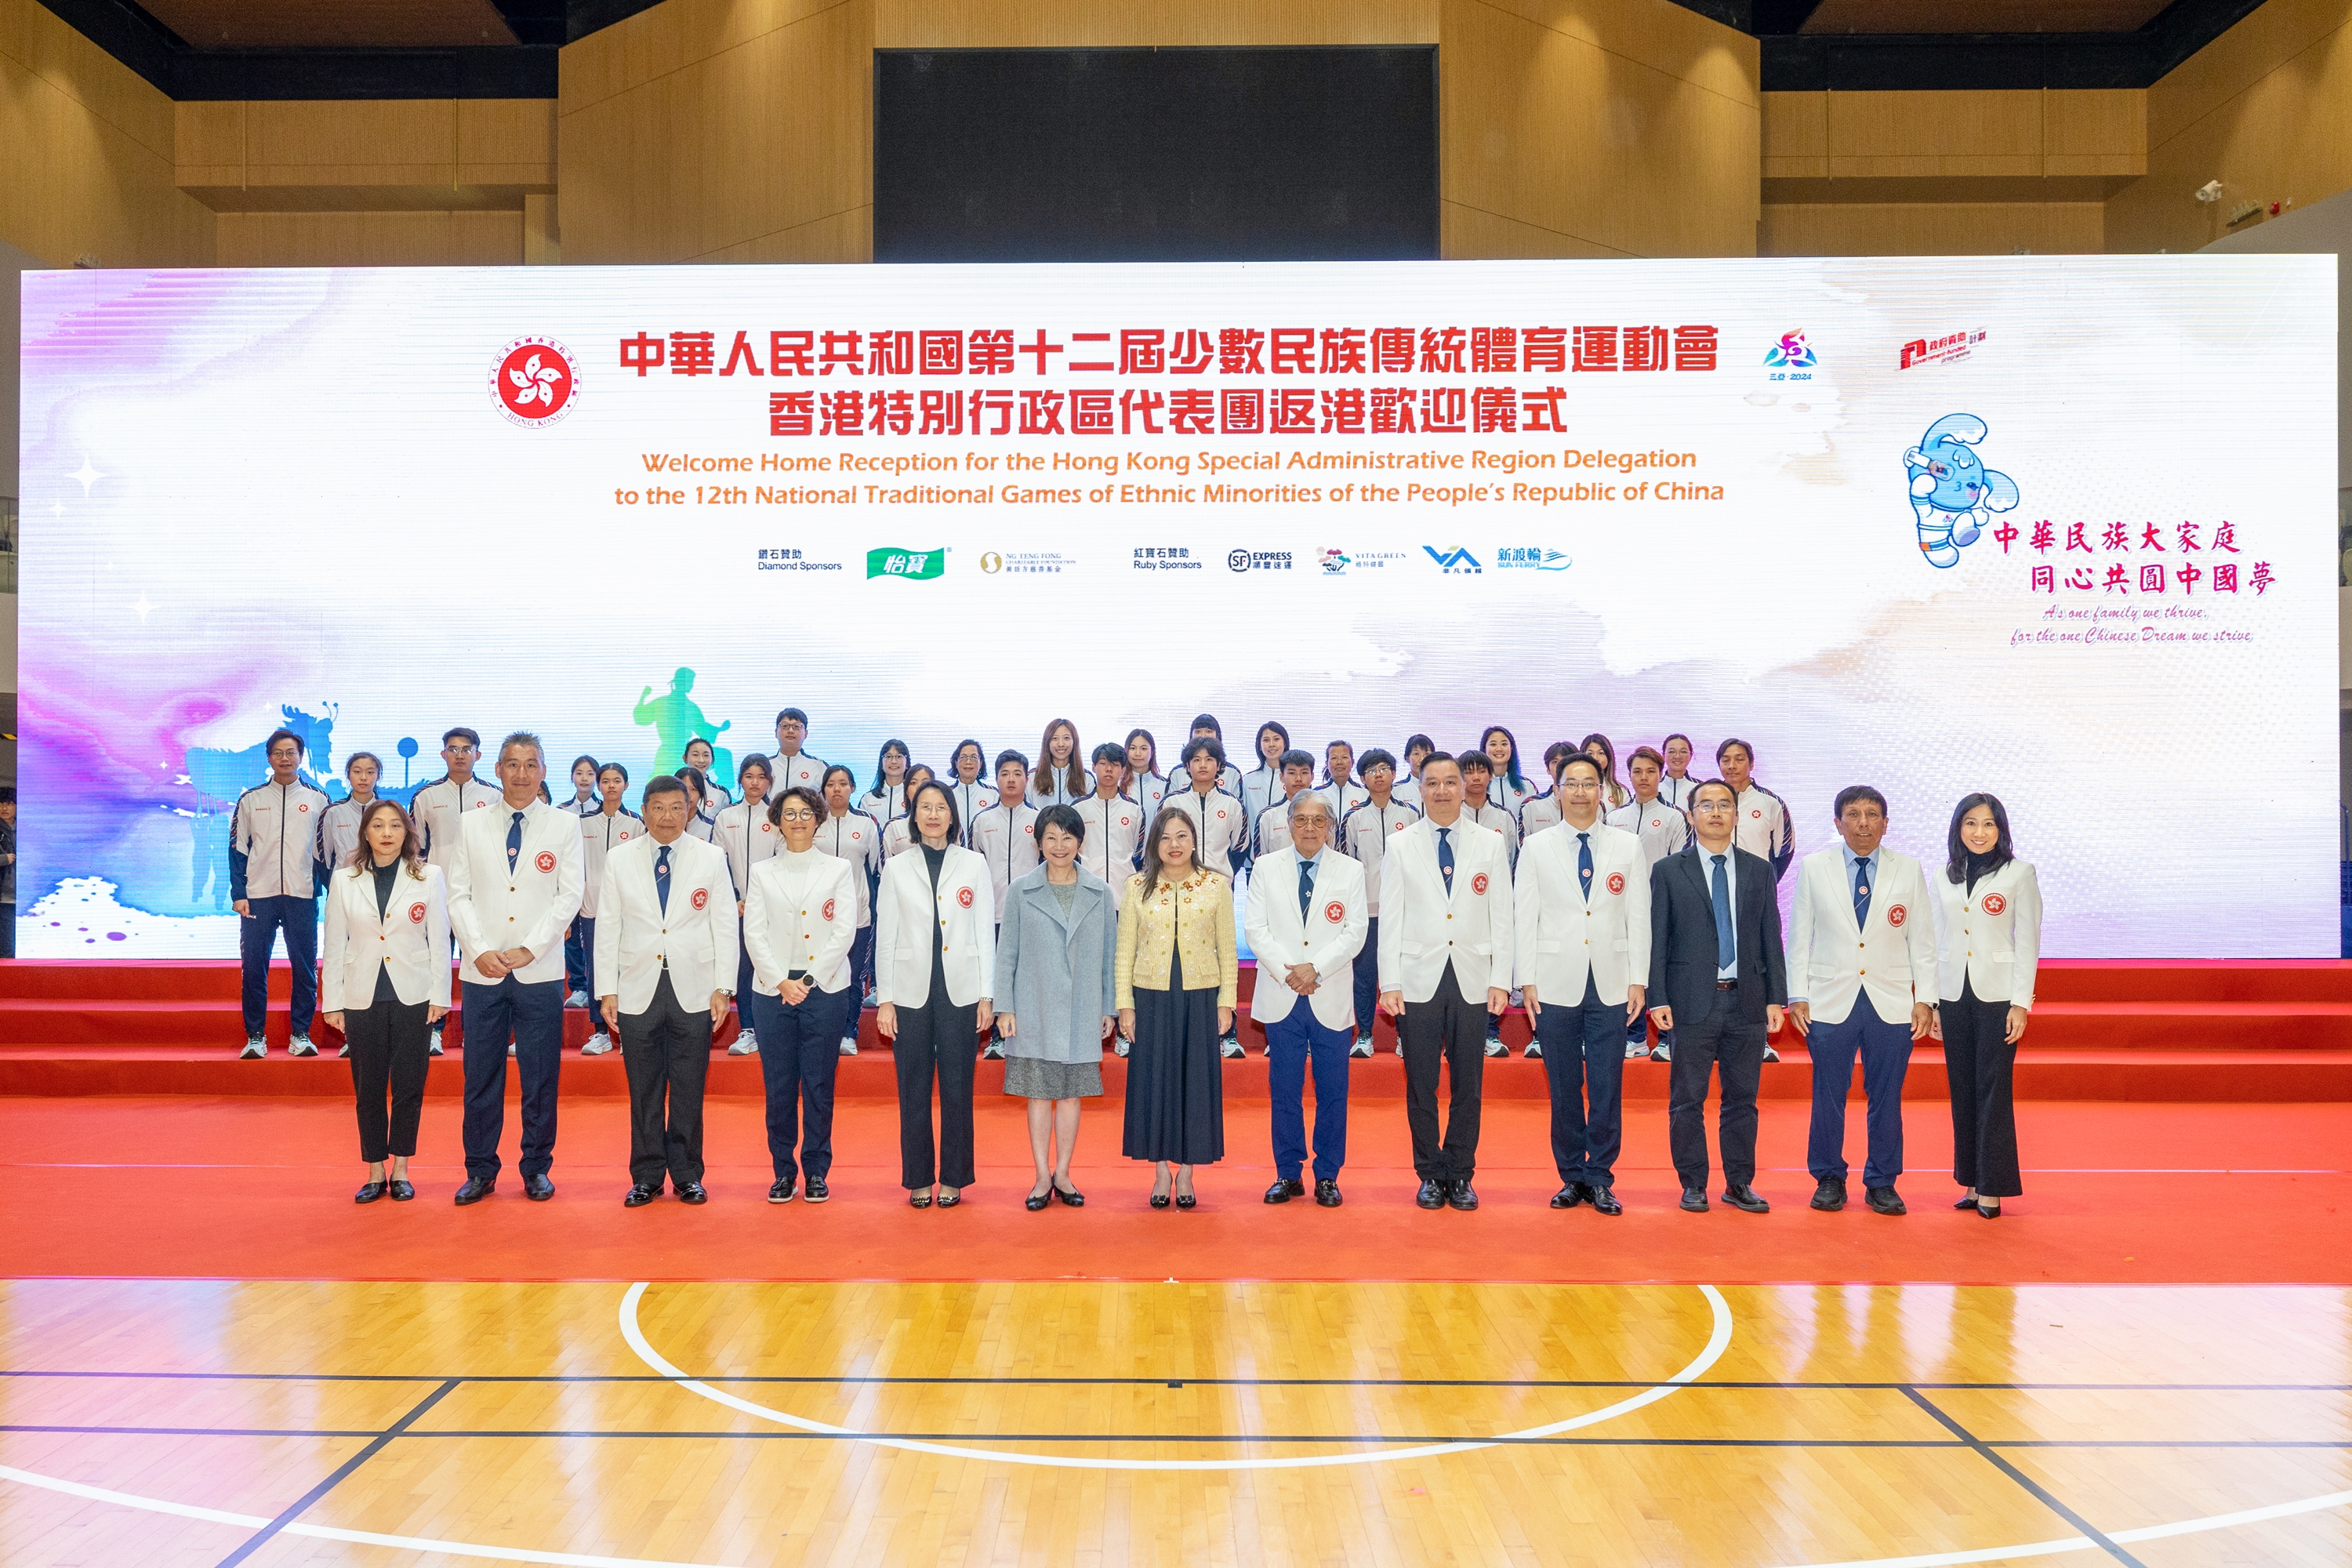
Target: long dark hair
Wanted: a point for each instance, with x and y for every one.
(1510, 768)
(1152, 861)
(1074, 777)
(1153, 767)
(2004, 849)
(362, 861)
(881, 782)
(915, 798)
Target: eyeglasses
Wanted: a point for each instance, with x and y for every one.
(797, 816)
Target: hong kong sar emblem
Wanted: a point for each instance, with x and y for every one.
(535, 381)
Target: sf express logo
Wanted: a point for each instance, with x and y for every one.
(1616, 881)
(416, 915)
(535, 381)
(545, 860)
(1994, 903)
(1335, 911)
(701, 897)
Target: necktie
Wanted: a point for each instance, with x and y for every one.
(1584, 864)
(1305, 885)
(1726, 946)
(1861, 892)
(1445, 858)
(514, 842)
(661, 876)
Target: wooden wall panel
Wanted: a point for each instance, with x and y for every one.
(366, 155)
(1134, 24)
(1954, 136)
(86, 153)
(371, 239)
(1930, 228)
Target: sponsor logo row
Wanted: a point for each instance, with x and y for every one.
(1451, 559)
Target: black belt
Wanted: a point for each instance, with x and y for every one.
(1726, 985)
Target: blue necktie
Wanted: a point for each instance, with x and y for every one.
(1305, 885)
(1445, 858)
(661, 876)
(1584, 863)
(514, 842)
(1726, 946)
(1861, 892)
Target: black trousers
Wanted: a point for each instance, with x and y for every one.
(257, 933)
(940, 1039)
(1584, 1055)
(1981, 1066)
(667, 1050)
(389, 1040)
(1451, 1029)
(799, 1055)
(1719, 1039)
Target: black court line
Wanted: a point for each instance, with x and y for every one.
(269, 1532)
(2040, 1493)
(851, 1380)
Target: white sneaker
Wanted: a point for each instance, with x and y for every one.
(747, 1044)
(1496, 1047)
(848, 1044)
(1535, 1050)
(577, 999)
(1120, 1049)
(1666, 1053)
(1637, 1050)
(1771, 1055)
(434, 1048)
(994, 1052)
(598, 1044)
(1231, 1049)
(510, 1048)
(256, 1047)
(1400, 1046)
(1362, 1047)
(300, 1046)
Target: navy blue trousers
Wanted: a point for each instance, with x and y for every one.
(1293, 1042)
(1367, 977)
(257, 933)
(532, 1017)
(800, 1053)
(1584, 1060)
(1885, 1052)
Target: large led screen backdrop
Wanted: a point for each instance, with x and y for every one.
(2061, 528)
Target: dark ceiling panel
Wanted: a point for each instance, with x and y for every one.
(1981, 15)
(332, 24)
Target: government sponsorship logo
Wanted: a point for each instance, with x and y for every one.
(1025, 564)
(898, 561)
(1258, 560)
(1531, 558)
(1455, 563)
(535, 381)
(779, 559)
(1166, 558)
(1791, 359)
(1948, 349)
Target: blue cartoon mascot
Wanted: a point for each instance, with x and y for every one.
(1953, 492)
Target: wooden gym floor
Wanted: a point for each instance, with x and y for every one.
(159, 1423)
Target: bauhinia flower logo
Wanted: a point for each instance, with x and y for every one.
(535, 381)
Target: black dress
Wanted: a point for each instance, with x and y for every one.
(1175, 1078)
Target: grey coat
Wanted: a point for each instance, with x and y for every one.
(1054, 978)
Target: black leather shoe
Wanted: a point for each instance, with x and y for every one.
(1462, 1196)
(1885, 1200)
(475, 1189)
(919, 1198)
(640, 1195)
(1071, 1197)
(538, 1189)
(780, 1191)
(1568, 1196)
(1830, 1196)
(693, 1193)
(1188, 1201)
(1968, 1203)
(1326, 1193)
(1284, 1188)
(1987, 1211)
(400, 1191)
(1036, 1202)
(370, 1192)
(1693, 1200)
(1160, 1200)
(814, 1190)
(950, 1197)
(1745, 1198)
(1603, 1199)
(1432, 1195)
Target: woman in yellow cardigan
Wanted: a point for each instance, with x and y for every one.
(1177, 976)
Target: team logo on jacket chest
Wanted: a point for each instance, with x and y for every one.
(304, 806)
(1478, 883)
(701, 897)
(963, 897)
(545, 860)
(416, 915)
(1897, 916)
(827, 911)
(1335, 911)
(1994, 903)
(534, 380)
(1616, 881)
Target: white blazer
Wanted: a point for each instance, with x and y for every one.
(695, 938)
(1328, 936)
(1562, 936)
(912, 927)
(411, 939)
(493, 908)
(801, 913)
(1423, 929)
(1990, 939)
(1893, 957)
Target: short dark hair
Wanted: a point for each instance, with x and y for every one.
(7, 795)
(1677, 735)
(1197, 744)
(690, 775)
(460, 732)
(1638, 753)
(1473, 759)
(372, 757)
(1375, 758)
(1294, 757)
(955, 757)
(1705, 784)
(665, 783)
(827, 782)
(1575, 757)
(915, 798)
(1727, 745)
(281, 734)
(1064, 818)
(1107, 752)
(1009, 757)
(1852, 792)
(1441, 757)
(755, 759)
(785, 713)
(1209, 722)
(802, 793)
(702, 740)
(1424, 741)
(603, 768)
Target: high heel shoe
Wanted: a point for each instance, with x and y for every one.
(1071, 1197)
(1037, 1200)
(1992, 1213)
(1160, 1200)
(950, 1197)
(1185, 1200)
(919, 1198)
(1967, 1203)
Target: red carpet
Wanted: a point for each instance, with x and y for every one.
(2139, 1193)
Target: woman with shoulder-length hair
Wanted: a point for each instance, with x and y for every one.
(747, 835)
(934, 975)
(1053, 952)
(1989, 944)
(1176, 978)
(1602, 750)
(800, 917)
(386, 983)
(1262, 785)
(1512, 789)
(887, 801)
(1061, 777)
(1145, 781)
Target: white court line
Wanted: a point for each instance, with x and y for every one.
(1717, 1342)
(2085, 1544)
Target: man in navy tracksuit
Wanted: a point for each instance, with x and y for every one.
(274, 880)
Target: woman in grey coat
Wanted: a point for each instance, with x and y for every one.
(1053, 952)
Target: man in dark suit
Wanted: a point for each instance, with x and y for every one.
(1719, 980)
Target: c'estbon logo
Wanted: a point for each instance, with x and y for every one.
(897, 561)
